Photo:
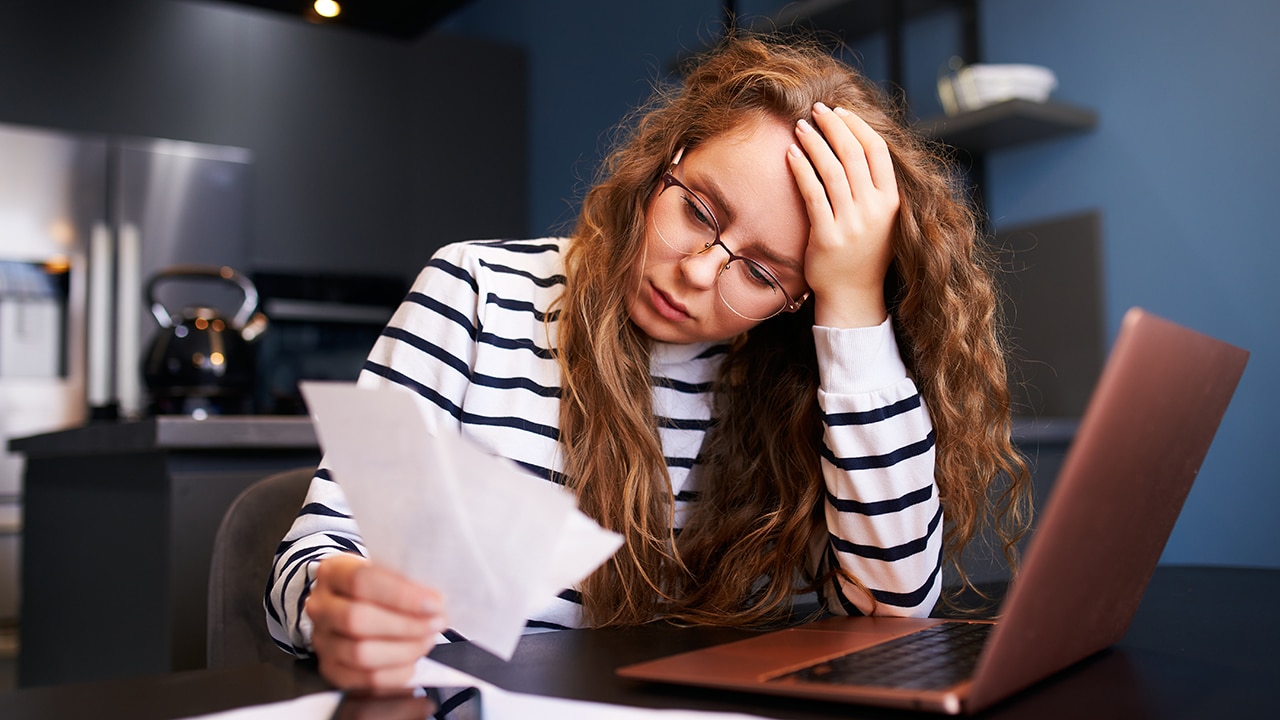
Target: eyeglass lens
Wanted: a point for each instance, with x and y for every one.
(685, 223)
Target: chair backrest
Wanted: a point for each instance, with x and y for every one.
(243, 551)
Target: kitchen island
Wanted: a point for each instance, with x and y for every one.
(118, 529)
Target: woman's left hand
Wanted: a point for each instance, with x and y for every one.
(851, 194)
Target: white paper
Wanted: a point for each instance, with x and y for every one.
(318, 706)
(499, 704)
(495, 703)
(496, 542)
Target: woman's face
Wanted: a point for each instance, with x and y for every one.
(743, 179)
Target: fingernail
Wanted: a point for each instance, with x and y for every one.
(803, 125)
(842, 112)
(794, 150)
(820, 108)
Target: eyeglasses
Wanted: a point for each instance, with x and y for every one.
(686, 224)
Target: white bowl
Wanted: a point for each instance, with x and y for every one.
(976, 86)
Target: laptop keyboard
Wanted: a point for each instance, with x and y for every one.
(930, 659)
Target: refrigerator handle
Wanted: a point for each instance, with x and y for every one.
(98, 388)
(128, 332)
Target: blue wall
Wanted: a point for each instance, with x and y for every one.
(1183, 167)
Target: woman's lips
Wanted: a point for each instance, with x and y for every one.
(668, 308)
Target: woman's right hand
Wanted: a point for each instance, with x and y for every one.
(370, 624)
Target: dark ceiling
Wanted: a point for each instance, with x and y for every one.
(403, 19)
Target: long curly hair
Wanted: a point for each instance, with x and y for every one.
(749, 545)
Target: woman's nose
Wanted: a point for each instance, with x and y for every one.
(702, 269)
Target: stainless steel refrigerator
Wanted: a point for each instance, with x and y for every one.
(85, 221)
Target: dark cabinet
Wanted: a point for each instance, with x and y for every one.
(118, 535)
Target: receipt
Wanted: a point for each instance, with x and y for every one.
(496, 542)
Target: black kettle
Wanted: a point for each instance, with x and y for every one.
(201, 363)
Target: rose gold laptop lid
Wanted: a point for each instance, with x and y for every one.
(1139, 446)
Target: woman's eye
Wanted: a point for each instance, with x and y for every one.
(699, 215)
(759, 276)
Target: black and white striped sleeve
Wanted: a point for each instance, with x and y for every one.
(427, 347)
(884, 518)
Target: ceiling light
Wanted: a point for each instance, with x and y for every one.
(327, 8)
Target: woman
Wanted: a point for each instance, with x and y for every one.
(768, 356)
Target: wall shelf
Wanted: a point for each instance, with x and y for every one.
(1008, 123)
(852, 20)
(1013, 122)
(1059, 343)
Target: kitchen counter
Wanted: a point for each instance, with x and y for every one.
(181, 432)
(118, 530)
(174, 432)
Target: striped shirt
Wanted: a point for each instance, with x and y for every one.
(471, 341)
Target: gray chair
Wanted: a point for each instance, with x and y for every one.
(242, 553)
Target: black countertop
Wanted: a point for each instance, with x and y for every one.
(182, 432)
(173, 432)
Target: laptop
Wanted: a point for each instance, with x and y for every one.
(1139, 445)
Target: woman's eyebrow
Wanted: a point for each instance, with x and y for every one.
(773, 259)
(712, 189)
